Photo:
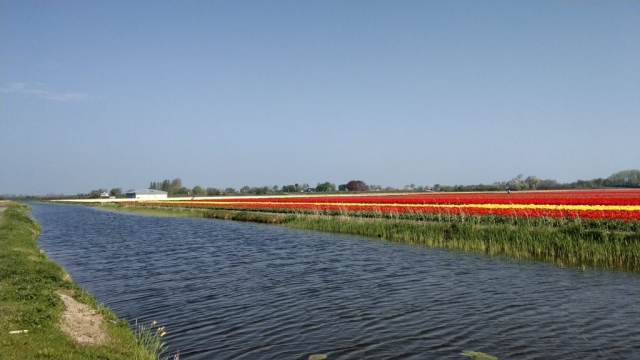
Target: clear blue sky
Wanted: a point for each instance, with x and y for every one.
(104, 94)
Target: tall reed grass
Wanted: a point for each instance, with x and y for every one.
(571, 245)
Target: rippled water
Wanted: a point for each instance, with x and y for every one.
(230, 290)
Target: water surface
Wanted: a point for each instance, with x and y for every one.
(231, 290)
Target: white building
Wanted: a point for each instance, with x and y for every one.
(147, 194)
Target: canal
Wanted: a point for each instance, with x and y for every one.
(231, 290)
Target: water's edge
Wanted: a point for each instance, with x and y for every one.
(563, 247)
(31, 291)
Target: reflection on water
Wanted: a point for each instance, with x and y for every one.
(229, 290)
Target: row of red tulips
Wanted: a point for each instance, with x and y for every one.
(591, 214)
(594, 204)
(574, 197)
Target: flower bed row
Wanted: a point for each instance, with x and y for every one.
(572, 197)
(603, 204)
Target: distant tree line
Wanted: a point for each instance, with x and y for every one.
(174, 188)
(626, 179)
(94, 194)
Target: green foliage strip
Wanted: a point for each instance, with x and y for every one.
(29, 283)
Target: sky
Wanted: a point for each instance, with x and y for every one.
(106, 94)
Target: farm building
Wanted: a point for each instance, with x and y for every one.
(147, 194)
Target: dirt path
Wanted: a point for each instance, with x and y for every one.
(81, 322)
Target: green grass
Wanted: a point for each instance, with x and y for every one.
(571, 245)
(28, 301)
(151, 339)
(603, 243)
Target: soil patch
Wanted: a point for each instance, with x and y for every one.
(81, 322)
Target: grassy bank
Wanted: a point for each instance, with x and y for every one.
(30, 288)
(568, 242)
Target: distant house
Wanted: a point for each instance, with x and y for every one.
(104, 194)
(147, 194)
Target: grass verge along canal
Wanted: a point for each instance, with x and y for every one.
(43, 314)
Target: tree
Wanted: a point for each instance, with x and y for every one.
(179, 191)
(532, 182)
(259, 190)
(289, 188)
(626, 178)
(177, 182)
(197, 190)
(548, 184)
(342, 187)
(115, 192)
(357, 185)
(212, 191)
(166, 185)
(598, 182)
(517, 183)
(96, 193)
(245, 189)
(410, 187)
(229, 190)
(325, 186)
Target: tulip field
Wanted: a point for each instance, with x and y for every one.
(579, 227)
(588, 204)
